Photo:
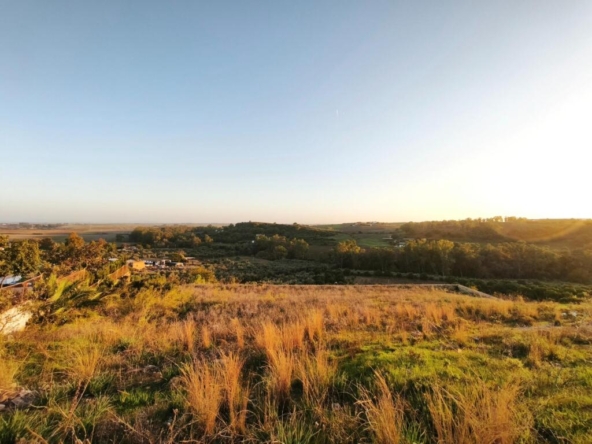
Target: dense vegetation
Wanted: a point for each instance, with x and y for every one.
(482, 252)
(508, 260)
(573, 233)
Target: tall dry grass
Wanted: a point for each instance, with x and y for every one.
(84, 361)
(237, 396)
(203, 387)
(239, 332)
(206, 336)
(292, 335)
(384, 412)
(314, 325)
(281, 368)
(316, 372)
(187, 332)
(477, 414)
(267, 338)
(8, 371)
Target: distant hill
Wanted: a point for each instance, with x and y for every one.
(570, 233)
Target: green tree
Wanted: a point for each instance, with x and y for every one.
(24, 257)
(346, 253)
(298, 249)
(279, 252)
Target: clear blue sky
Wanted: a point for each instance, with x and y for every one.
(320, 111)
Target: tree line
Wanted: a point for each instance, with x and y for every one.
(507, 260)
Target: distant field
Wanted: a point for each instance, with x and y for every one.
(89, 232)
(368, 240)
(363, 227)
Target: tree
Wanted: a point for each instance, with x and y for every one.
(298, 249)
(24, 257)
(279, 252)
(74, 242)
(47, 244)
(177, 256)
(346, 253)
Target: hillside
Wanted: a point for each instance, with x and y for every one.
(293, 364)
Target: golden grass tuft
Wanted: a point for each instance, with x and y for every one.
(206, 336)
(384, 413)
(239, 332)
(292, 335)
(188, 334)
(203, 390)
(267, 338)
(84, 361)
(314, 324)
(316, 372)
(281, 367)
(477, 414)
(8, 371)
(237, 397)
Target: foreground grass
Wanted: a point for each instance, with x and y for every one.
(286, 364)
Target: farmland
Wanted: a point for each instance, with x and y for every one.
(89, 232)
(294, 364)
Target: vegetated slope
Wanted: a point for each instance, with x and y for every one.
(316, 364)
(187, 236)
(572, 233)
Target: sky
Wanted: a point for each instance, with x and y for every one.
(294, 111)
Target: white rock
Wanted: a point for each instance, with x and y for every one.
(14, 320)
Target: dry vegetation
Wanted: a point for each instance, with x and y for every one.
(283, 364)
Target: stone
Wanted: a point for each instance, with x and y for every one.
(151, 369)
(23, 400)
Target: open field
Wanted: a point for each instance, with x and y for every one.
(301, 364)
(89, 232)
(366, 240)
(363, 227)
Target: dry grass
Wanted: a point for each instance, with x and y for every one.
(237, 397)
(281, 368)
(267, 338)
(477, 414)
(460, 333)
(187, 333)
(8, 371)
(315, 325)
(270, 342)
(206, 337)
(203, 387)
(316, 372)
(384, 412)
(239, 332)
(292, 335)
(84, 361)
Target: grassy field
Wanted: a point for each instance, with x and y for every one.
(302, 364)
(363, 227)
(89, 232)
(369, 240)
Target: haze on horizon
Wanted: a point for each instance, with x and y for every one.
(315, 112)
